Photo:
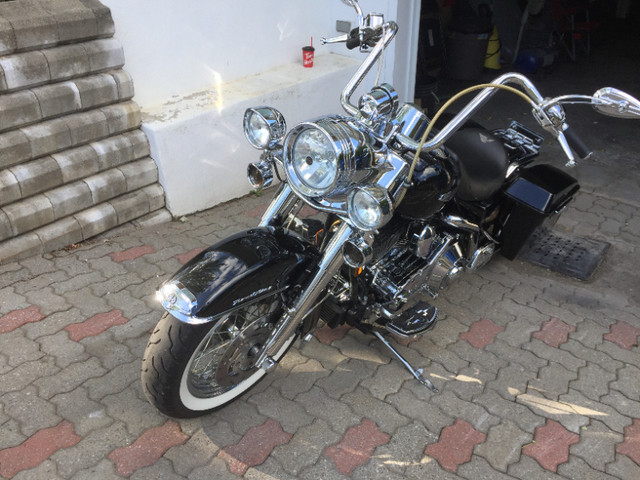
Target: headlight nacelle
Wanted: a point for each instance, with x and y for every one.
(321, 157)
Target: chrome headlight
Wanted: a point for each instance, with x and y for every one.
(320, 158)
(264, 127)
(369, 207)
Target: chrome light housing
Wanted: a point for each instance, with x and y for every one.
(381, 102)
(369, 207)
(321, 157)
(177, 300)
(264, 127)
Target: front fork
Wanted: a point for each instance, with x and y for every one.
(330, 263)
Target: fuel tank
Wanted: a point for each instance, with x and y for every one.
(434, 184)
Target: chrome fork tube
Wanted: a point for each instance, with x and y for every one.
(330, 263)
(283, 201)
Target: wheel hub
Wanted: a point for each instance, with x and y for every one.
(237, 362)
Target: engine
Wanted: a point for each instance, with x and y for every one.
(425, 264)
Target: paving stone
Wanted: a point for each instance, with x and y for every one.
(551, 445)
(593, 381)
(357, 446)
(624, 405)
(62, 233)
(300, 379)
(470, 382)
(26, 373)
(85, 414)
(305, 447)
(17, 318)
(345, 377)
(482, 358)
(479, 468)
(113, 151)
(114, 381)
(51, 324)
(216, 468)
(383, 414)
(474, 413)
(96, 220)
(455, 445)
(69, 378)
(148, 448)
(624, 468)
(552, 381)
(556, 355)
(518, 414)
(124, 84)
(597, 445)
(104, 54)
(291, 415)
(623, 335)
(320, 405)
(503, 445)
(139, 173)
(196, 452)
(387, 379)
(29, 214)
(628, 381)
(31, 412)
(134, 204)
(404, 450)
(57, 99)
(592, 356)
(62, 349)
(416, 409)
(77, 163)
(255, 446)
(629, 357)
(14, 148)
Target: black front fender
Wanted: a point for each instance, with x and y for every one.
(244, 267)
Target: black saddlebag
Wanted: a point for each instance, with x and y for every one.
(539, 193)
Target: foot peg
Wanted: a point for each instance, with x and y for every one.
(414, 321)
(417, 373)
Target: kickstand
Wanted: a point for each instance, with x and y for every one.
(416, 373)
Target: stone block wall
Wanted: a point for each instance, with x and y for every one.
(73, 160)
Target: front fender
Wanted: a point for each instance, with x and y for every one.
(237, 270)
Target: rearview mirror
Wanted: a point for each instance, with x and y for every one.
(616, 103)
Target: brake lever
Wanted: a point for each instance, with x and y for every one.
(338, 39)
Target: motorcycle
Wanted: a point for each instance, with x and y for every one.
(405, 205)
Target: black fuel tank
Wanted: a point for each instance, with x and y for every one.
(434, 183)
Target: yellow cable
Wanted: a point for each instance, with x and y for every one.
(423, 140)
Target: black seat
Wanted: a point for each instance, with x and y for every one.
(482, 160)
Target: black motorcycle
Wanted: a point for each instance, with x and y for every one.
(405, 205)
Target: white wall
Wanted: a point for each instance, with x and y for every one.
(175, 48)
(196, 65)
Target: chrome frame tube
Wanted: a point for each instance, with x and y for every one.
(329, 265)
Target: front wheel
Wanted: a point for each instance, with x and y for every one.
(190, 370)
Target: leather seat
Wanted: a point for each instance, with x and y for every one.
(482, 160)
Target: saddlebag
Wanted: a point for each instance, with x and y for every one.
(540, 192)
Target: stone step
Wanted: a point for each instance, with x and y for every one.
(33, 24)
(67, 132)
(144, 205)
(54, 204)
(26, 107)
(36, 176)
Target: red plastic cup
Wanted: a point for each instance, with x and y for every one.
(307, 56)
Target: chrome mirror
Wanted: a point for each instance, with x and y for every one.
(616, 103)
(356, 5)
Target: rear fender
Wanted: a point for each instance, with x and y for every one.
(238, 270)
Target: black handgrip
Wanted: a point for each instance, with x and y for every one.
(353, 42)
(576, 143)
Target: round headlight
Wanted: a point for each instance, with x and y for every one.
(264, 127)
(314, 161)
(369, 207)
(321, 158)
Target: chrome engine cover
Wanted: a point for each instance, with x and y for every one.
(402, 274)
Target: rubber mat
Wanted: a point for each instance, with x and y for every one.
(571, 255)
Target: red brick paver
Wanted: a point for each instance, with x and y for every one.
(482, 333)
(254, 448)
(356, 446)
(554, 332)
(132, 253)
(455, 445)
(95, 325)
(623, 335)
(551, 445)
(148, 448)
(17, 318)
(631, 444)
(36, 449)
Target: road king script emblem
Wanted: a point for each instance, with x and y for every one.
(253, 295)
